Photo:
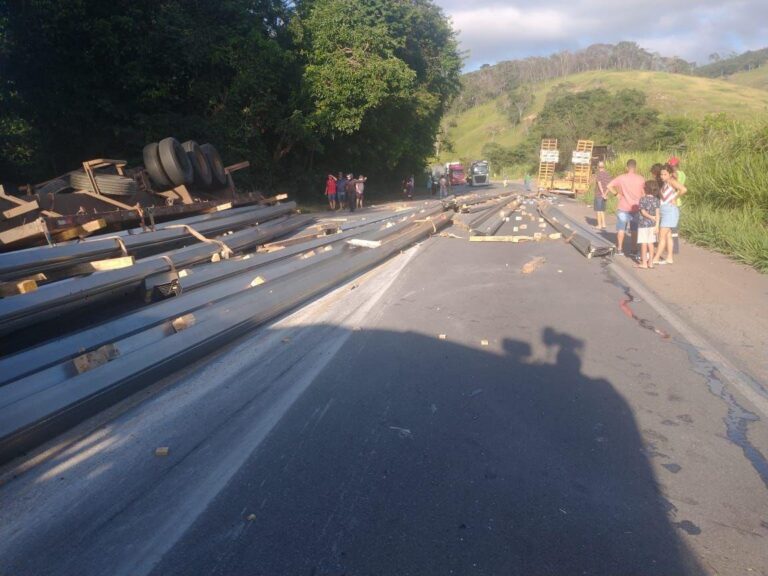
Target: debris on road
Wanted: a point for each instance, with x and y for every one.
(533, 265)
(162, 451)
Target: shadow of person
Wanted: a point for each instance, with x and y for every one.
(414, 455)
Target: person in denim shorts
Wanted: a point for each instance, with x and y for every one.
(629, 187)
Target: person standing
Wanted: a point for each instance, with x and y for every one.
(602, 179)
(648, 223)
(409, 188)
(330, 190)
(341, 190)
(360, 189)
(443, 183)
(629, 187)
(680, 176)
(670, 214)
(430, 189)
(351, 191)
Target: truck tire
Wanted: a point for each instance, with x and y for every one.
(175, 161)
(153, 166)
(110, 184)
(199, 161)
(217, 166)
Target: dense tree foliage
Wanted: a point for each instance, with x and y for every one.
(734, 63)
(295, 87)
(621, 119)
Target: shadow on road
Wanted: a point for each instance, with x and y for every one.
(415, 455)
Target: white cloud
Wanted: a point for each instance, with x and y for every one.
(493, 30)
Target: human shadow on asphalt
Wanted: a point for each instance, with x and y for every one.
(415, 455)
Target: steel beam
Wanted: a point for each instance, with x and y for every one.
(33, 419)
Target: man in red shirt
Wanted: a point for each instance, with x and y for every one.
(629, 187)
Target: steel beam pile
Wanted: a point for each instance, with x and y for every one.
(578, 235)
(475, 215)
(491, 224)
(52, 386)
(50, 258)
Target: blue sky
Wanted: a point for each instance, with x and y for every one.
(494, 30)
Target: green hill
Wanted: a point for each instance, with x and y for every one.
(756, 78)
(671, 94)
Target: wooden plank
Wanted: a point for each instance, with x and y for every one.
(11, 199)
(22, 233)
(20, 209)
(514, 239)
(236, 167)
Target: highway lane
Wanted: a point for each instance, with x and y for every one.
(547, 432)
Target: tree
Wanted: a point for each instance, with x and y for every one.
(379, 75)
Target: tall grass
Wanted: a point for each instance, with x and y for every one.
(726, 207)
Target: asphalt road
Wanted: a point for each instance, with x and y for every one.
(445, 414)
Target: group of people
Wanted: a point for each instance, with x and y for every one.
(438, 185)
(650, 209)
(345, 191)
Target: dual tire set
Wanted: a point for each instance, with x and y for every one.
(170, 163)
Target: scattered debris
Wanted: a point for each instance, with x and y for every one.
(251, 517)
(483, 342)
(183, 322)
(162, 451)
(533, 265)
(555, 236)
(442, 336)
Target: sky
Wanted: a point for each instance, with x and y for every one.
(496, 30)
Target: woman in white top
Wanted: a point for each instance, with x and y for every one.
(671, 189)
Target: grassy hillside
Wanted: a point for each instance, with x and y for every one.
(757, 78)
(671, 94)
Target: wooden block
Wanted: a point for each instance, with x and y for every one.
(111, 263)
(18, 286)
(80, 231)
(23, 233)
(257, 281)
(483, 342)
(364, 243)
(20, 210)
(98, 357)
(183, 322)
(555, 236)
(162, 451)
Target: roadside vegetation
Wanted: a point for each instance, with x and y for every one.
(726, 208)
(714, 117)
(297, 88)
